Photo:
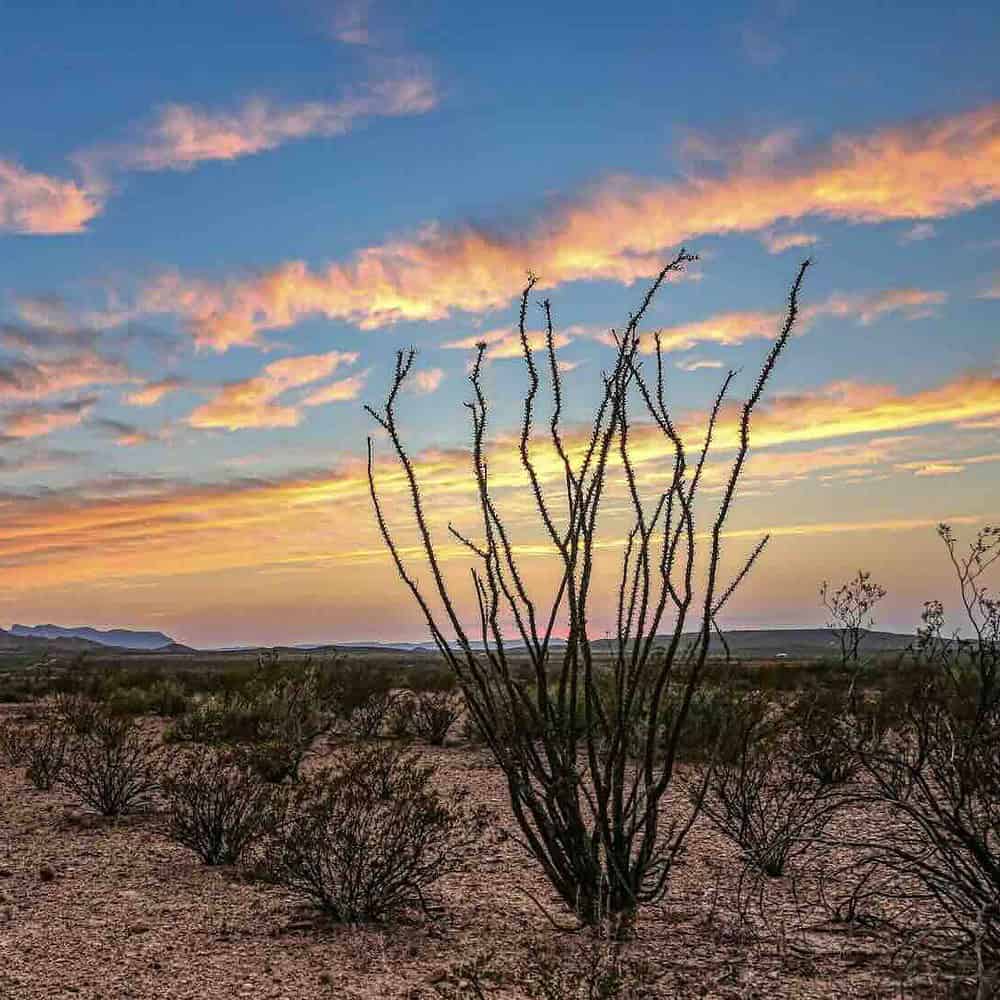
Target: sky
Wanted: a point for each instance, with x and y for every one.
(220, 221)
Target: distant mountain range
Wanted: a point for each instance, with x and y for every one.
(747, 644)
(119, 638)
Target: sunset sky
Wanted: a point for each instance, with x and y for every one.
(219, 221)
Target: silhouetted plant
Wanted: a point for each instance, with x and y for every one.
(590, 817)
(771, 810)
(215, 806)
(823, 737)
(361, 844)
(434, 713)
(850, 608)
(938, 777)
(77, 712)
(113, 769)
(46, 754)
(15, 742)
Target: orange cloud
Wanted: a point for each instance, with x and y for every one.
(730, 328)
(780, 242)
(253, 402)
(36, 421)
(182, 136)
(152, 392)
(620, 231)
(505, 342)
(337, 392)
(427, 380)
(36, 380)
(43, 205)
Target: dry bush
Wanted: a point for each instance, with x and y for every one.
(368, 719)
(591, 969)
(113, 769)
(15, 742)
(48, 743)
(362, 843)
(587, 805)
(434, 713)
(772, 810)
(215, 806)
(824, 737)
(77, 712)
(937, 777)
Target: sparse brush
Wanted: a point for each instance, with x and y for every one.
(434, 713)
(823, 738)
(215, 806)
(113, 769)
(46, 755)
(368, 719)
(78, 712)
(591, 968)
(15, 742)
(362, 845)
(773, 811)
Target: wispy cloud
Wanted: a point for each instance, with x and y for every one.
(992, 291)
(22, 379)
(256, 402)
(38, 420)
(40, 204)
(620, 231)
(182, 136)
(125, 435)
(780, 242)
(152, 392)
(917, 233)
(427, 380)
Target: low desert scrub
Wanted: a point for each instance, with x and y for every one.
(113, 769)
(362, 841)
(274, 722)
(824, 736)
(47, 745)
(588, 967)
(15, 742)
(434, 713)
(772, 810)
(215, 806)
(78, 712)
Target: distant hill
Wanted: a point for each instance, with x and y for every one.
(118, 638)
(764, 643)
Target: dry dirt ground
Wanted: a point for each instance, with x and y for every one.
(101, 910)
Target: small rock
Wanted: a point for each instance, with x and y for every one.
(46, 873)
(6, 873)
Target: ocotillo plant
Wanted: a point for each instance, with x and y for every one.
(587, 797)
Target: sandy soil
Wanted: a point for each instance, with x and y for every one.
(100, 910)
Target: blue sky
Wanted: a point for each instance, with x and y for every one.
(197, 193)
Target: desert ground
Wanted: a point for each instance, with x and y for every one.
(111, 908)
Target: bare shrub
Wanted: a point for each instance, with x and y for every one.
(361, 845)
(938, 777)
(434, 713)
(399, 722)
(850, 608)
(46, 753)
(824, 737)
(113, 769)
(77, 712)
(594, 968)
(589, 816)
(215, 806)
(368, 719)
(15, 742)
(774, 812)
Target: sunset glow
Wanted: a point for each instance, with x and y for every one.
(207, 274)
